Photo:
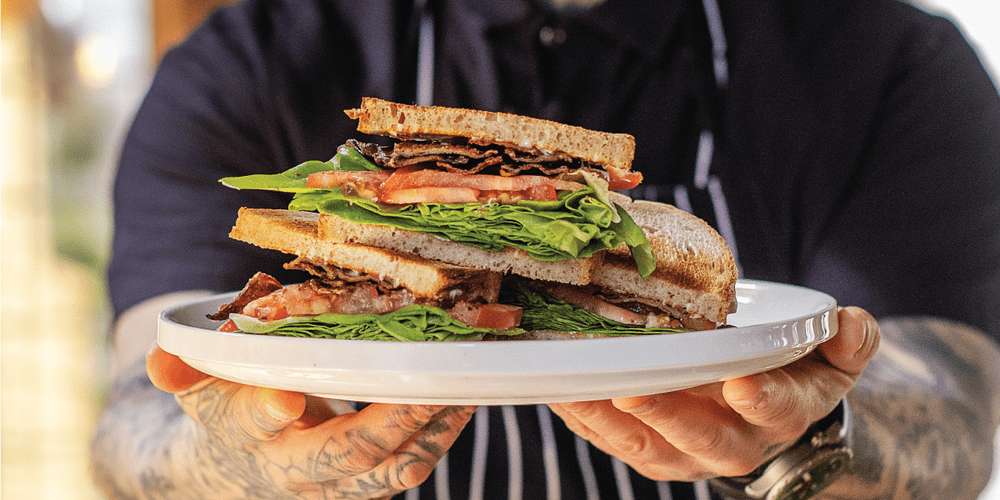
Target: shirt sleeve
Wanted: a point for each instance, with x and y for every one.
(917, 228)
(240, 96)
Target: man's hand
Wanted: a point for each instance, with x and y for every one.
(283, 444)
(728, 428)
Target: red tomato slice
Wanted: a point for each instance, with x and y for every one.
(541, 193)
(619, 179)
(228, 326)
(495, 316)
(332, 179)
(430, 195)
(498, 316)
(482, 182)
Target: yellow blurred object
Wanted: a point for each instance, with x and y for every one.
(48, 361)
(15, 11)
(173, 20)
(96, 61)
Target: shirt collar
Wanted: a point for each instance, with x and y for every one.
(641, 25)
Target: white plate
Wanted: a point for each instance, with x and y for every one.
(777, 324)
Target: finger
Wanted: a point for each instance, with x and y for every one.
(812, 386)
(169, 373)
(780, 405)
(786, 400)
(319, 410)
(707, 436)
(240, 414)
(412, 463)
(359, 442)
(628, 437)
(596, 420)
(856, 342)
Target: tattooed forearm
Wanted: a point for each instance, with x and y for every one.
(925, 413)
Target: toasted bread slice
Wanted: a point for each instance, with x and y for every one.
(297, 233)
(378, 117)
(695, 270)
(573, 271)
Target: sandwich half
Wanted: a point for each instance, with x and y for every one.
(516, 191)
(360, 292)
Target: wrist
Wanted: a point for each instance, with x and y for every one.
(801, 471)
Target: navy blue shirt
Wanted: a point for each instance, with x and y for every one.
(850, 146)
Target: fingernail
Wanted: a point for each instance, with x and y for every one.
(272, 408)
(752, 400)
(749, 403)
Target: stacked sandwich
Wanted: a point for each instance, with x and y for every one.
(474, 224)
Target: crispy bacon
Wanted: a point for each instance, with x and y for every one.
(468, 157)
(409, 149)
(478, 167)
(338, 276)
(401, 161)
(259, 285)
(315, 297)
(510, 169)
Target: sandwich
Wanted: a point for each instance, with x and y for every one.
(526, 200)
(360, 292)
(521, 195)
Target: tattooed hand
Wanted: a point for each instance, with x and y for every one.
(730, 428)
(262, 443)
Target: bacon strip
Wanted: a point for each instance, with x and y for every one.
(260, 285)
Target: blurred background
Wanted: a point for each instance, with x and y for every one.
(73, 73)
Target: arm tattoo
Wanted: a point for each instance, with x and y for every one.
(925, 413)
(146, 446)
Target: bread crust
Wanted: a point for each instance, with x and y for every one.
(297, 233)
(695, 269)
(379, 117)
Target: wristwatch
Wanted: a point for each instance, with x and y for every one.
(800, 472)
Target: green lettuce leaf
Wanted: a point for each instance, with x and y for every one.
(578, 225)
(415, 323)
(543, 311)
(638, 244)
(292, 180)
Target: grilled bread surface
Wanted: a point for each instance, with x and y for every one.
(297, 233)
(379, 117)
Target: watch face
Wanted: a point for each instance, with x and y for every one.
(812, 477)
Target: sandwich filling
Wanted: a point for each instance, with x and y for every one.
(549, 219)
(342, 303)
(573, 310)
(624, 308)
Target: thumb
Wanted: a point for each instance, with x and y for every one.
(240, 412)
(169, 373)
(856, 342)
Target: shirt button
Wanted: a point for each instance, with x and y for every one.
(550, 36)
